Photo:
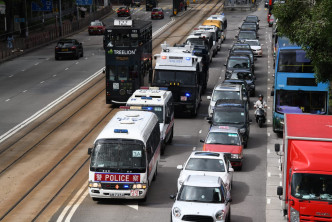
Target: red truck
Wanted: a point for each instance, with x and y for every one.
(306, 193)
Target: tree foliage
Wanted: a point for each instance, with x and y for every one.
(309, 25)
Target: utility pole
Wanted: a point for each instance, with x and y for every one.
(60, 17)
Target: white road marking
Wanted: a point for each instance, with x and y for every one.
(75, 206)
(36, 63)
(269, 174)
(48, 107)
(42, 82)
(268, 151)
(66, 68)
(71, 202)
(7, 100)
(200, 131)
(23, 70)
(54, 75)
(76, 63)
(268, 201)
(10, 76)
(268, 79)
(135, 206)
(24, 91)
(268, 134)
(194, 148)
(268, 121)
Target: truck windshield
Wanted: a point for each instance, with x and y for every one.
(290, 101)
(307, 186)
(223, 138)
(228, 116)
(201, 194)
(294, 60)
(182, 77)
(118, 154)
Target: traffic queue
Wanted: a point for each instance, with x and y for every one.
(125, 157)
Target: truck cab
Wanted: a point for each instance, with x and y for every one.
(306, 190)
(180, 71)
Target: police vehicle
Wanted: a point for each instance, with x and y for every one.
(180, 71)
(125, 156)
(215, 31)
(159, 101)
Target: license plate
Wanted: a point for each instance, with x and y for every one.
(183, 98)
(64, 50)
(117, 194)
(134, 193)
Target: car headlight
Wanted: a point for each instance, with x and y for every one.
(139, 186)
(220, 215)
(294, 215)
(235, 156)
(242, 130)
(176, 212)
(94, 185)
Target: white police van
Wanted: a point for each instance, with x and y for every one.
(125, 156)
(216, 33)
(159, 101)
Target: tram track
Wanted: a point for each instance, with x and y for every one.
(42, 159)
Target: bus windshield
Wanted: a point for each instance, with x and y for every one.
(182, 77)
(294, 60)
(290, 101)
(118, 154)
(122, 72)
(228, 116)
(307, 186)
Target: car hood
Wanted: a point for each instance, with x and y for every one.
(223, 148)
(196, 208)
(185, 173)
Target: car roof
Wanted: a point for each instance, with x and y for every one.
(207, 155)
(203, 181)
(224, 129)
(227, 87)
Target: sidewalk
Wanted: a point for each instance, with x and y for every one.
(50, 33)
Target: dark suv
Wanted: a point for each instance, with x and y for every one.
(246, 52)
(235, 62)
(232, 113)
(244, 35)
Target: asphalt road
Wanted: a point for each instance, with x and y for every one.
(30, 82)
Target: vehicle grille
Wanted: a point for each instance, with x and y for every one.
(111, 186)
(197, 218)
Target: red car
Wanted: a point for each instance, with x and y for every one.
(157, 13)
(123, 11)
(227, 140)
(96, 28)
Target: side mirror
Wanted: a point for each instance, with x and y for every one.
(225, 64)
(250, 120)
(208, 118)
(257, 37)
(89, 151)
(202, 141)
(208, 97)
(172, 196)
(231, 169)
(280, 191)
(236, 36)
(277, 147)
(179, 167)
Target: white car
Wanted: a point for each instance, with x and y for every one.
(202, 198)
(207, 163)
(255, 46)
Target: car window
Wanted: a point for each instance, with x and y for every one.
(201, 194)
(202, 164)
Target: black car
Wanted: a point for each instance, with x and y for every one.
(249, 26)
(235, 62)
(244, 35)
(123, 11)
(68, 48)
(244, 52)
(252, 18)
(266, 4)
(232, 113)
(244, 76)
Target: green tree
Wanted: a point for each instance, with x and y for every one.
(308, 23)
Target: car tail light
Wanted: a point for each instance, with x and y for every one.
(73, 47)
(126, 10)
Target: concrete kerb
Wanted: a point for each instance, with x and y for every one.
(15, 55)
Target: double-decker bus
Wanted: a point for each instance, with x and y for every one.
(128, 55)
(295, 88)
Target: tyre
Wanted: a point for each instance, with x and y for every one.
(56, 57)
(260, 122)
(171, 136)
(82, 54)
(162, 148)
